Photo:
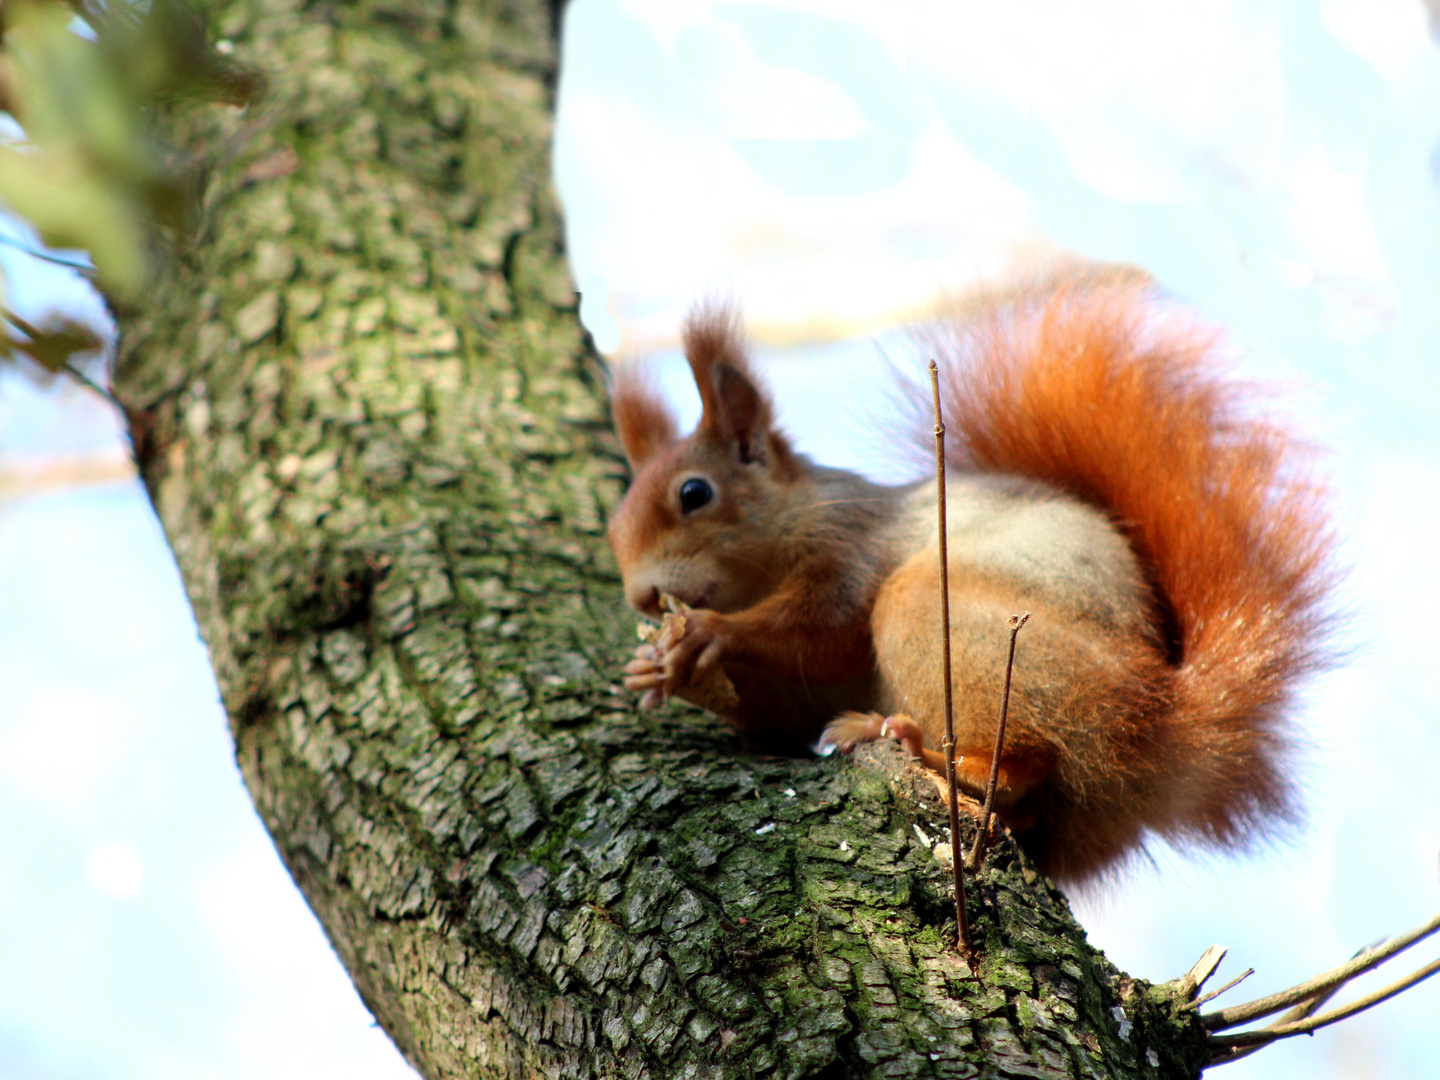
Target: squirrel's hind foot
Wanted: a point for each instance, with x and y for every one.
(850, 729)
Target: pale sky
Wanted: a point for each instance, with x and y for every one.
(836, 168)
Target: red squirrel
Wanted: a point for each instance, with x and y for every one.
(1163, 531)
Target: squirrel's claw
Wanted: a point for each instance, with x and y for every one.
(850, 729)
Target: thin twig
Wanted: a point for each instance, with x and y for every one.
(1241, 1014)
(1303, 1011)
(1222, 1046)
(978, 848)
(962, 923)
(20, 323)
(87, 271)
(1213, 994)
(1300, 1012)
(90, 384)
(1312, 1005)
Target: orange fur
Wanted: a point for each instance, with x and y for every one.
(1094, 387)
(1169, 629)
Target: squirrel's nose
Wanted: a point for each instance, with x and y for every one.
(643, 596)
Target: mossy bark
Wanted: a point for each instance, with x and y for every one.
(375, 434)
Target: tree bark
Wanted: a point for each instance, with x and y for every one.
(375, 434)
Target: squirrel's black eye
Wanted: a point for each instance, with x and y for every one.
(694, 493)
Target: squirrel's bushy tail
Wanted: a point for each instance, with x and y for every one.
(1096, 387)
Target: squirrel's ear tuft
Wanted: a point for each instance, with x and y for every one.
(735, 410)
(642, 420)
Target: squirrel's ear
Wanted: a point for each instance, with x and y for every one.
(642, 421)
(742, 411)
(734, 410)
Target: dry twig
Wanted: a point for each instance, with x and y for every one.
(1308, 996)
(962, 923)
(1213, 994)
(1015, 623)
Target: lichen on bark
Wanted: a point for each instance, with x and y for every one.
(375, 434)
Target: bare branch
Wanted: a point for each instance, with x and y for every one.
(1016, 622)
(80, 268)
(962, 923)
(1223, 1047)
(1213, 994)
(1241, 1014)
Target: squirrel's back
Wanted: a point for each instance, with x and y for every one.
(1096, 387)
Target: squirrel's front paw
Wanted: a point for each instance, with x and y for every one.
(682, 659)
(694, 650)
(646, 672)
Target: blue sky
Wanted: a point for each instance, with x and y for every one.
(835, 167)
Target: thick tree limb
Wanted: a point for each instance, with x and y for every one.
(375, 435)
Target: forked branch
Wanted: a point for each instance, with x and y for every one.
(1307, 996)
